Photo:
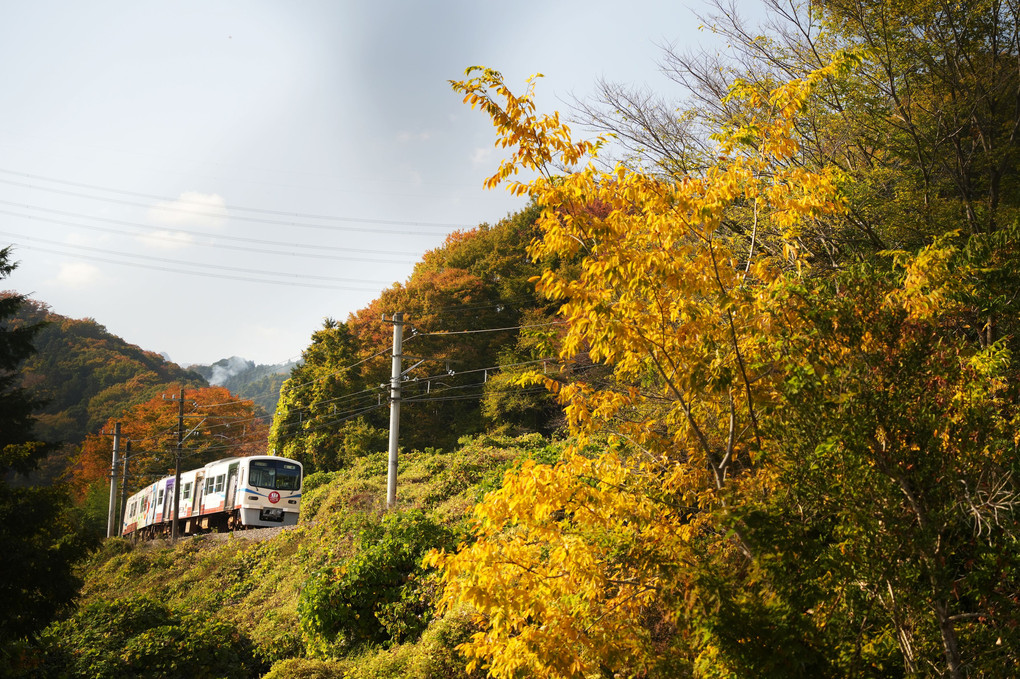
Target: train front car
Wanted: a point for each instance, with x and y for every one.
(270, 491)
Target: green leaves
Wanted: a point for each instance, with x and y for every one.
(379, 593)
(141, 636)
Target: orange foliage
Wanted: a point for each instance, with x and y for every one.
(216, 425)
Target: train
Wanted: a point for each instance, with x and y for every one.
(228, 494)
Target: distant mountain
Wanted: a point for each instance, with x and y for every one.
(260, 383)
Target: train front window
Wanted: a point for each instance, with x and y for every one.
(275, 474)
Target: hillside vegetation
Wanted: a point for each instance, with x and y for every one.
(83, 376)
(474, 321)
(772, 329)
(343, 594)
(259, 383)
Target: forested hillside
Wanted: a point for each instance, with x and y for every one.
(474, 320)
(85, 375)
(260, 383)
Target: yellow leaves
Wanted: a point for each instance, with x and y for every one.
(553, 599)
(536, 140)
(932, 284)
(679, 304)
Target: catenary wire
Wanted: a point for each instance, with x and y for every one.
(199, 273)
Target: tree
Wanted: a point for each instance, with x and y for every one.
(321, 400)
(703, 537)
(216, 425)
(924, 130)
(464, 304)
(39, 533)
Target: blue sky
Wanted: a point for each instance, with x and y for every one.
(210, 179)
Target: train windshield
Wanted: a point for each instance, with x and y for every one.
(275, 474)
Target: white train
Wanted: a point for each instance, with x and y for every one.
(233, 493)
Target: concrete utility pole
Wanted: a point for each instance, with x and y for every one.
(395, 377)
(177, 466)
(111, 518)
(123, 483)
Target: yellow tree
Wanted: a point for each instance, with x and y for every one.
(581, 567)
(710, 519)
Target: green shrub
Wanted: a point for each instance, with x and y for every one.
(376, 595)
(143, 637)
(317, 480)
(303, 668)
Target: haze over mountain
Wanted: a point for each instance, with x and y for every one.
(245, 378)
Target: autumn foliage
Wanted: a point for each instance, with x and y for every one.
(789, 468)
(216, 425)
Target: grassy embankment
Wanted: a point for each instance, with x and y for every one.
(355, 561)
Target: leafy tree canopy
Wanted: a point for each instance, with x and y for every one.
(804, 309)
(216, 425)
(471, 312)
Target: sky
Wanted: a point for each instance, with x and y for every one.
(210, 179)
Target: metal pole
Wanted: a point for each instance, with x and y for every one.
(398, 341)
(111, 518)
(177, 465)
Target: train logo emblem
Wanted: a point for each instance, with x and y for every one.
(274, 497)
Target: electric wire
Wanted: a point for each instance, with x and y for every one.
(157, 234)
(206, 274)
(447, 333)
(282, 213)
(181, 262)
(257, 220)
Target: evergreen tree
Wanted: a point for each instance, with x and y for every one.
(37, 530)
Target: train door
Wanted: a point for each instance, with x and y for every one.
(199, 492)
(168, 502)
(231, 487)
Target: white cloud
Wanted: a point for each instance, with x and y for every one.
(191, 209)
(405, 137)
(78, 274)
(481, 156)
(167, 240)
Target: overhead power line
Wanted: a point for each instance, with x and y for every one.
(205, 274)
(154, 231)
(181, 262)
(214, 213)
(472, 332)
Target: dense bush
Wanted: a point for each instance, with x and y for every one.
(379, 594)
(303, 668)
(142, 637)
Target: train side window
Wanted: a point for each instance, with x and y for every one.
(219, 482)
(159, 499)
(209, 485)
(186, 491)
